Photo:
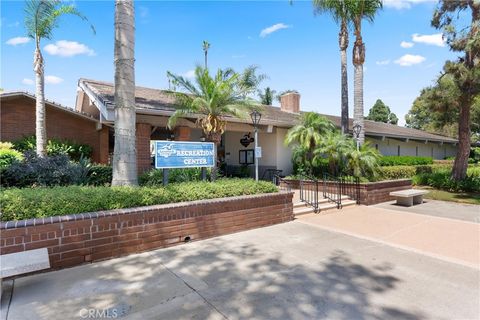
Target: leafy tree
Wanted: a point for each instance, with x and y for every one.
(364, 162)
(465, 71)
(42, 17)
(340, 11)
(309, 134)
(212, 98)
(380, 112)
(124, 164)
(334, 147)
(267, 96)
(359, 10)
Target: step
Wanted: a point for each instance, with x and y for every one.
(320, 201)
(301, 209)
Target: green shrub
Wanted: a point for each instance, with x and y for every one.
(154, 177)
(404, 161)
(28, 203)
(443, 180)
(99, 175)
(55, 147)
(55, 170)
(8, 155)
(397, 172)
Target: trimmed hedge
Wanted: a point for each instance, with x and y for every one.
(404, 161)
(18, 204)
(443, 180)
(154, 177)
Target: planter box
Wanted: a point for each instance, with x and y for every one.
(75, 239)
(370, 192)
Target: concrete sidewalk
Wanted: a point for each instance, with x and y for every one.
(289, 271)
(447, 239)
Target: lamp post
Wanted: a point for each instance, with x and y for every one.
(256, 116)
(356, 131)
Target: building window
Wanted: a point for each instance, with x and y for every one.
(398, 150)
(432, 152)
(416, 151)
(376, 146)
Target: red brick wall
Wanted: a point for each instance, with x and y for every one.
(76, 239)
(18, 120)
(144, 161)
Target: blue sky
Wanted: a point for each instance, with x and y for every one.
(296, 49)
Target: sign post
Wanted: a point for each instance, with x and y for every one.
(183, 154)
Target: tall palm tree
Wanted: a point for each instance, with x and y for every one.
(124, 162)
(340, 11)
(359, 10)
(211, 98)
(309, 132)
(205, 46)
(41, 19)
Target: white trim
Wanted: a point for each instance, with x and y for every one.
(96, 102)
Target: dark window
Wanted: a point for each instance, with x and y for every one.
(246, 156)
(416, 151)
(398, 150)
(376, 146)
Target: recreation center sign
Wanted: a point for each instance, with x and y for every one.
(181, 154)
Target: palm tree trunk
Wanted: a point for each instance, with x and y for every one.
(125, 154)
(343, 42)
(459, 170)
(40, 123)
(358, 60)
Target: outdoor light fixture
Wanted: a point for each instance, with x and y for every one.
(256, 116)
(356, 131)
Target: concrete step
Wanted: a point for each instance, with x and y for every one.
(300, 208)
(320, 201)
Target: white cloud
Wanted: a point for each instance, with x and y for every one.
(64, 48)
(430, 39)
(190, 74)
(143, 11)
(27, 81)
(382, 62)
(406, 44)
(409, 60)
(53, 80)
(279, 26)
(402, 4)
(17, 40)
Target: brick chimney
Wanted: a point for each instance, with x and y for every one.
(290, 102)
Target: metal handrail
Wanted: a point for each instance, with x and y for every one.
(309, 193)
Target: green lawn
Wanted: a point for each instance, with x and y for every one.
(461, 197)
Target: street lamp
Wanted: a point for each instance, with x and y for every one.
(356, 131)
(256, 116)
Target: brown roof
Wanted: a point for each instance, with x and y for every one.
(149, 99)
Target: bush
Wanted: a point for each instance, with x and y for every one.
(55, 147)
(405, 161)
(99, 175)
(154, 177)
(42, 171)
(397, 172)
(8, 155)
(28, 203)
(443, 180)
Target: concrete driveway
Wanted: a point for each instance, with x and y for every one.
(289, 271)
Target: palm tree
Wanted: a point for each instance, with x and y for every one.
(124, 162)
(205, 46)
(340, 11)
(309, 133)
(363, 162)
(267, 96)
(41, 18)
(359, 10)
(211, 98)
(334, 147)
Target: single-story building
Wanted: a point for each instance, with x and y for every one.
(92, 122)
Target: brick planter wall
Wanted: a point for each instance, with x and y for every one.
(75, 239)
(370, 192)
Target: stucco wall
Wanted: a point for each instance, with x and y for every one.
(268, 142)
(389, 147)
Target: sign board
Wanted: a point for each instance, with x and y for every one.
(258, 152)
(181, 154)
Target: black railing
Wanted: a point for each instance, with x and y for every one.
(332, 189)
(309, 193)
(281, 183)
(350, 186)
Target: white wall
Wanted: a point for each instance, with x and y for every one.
(267, 141)
(284, 154)
(389, 147)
